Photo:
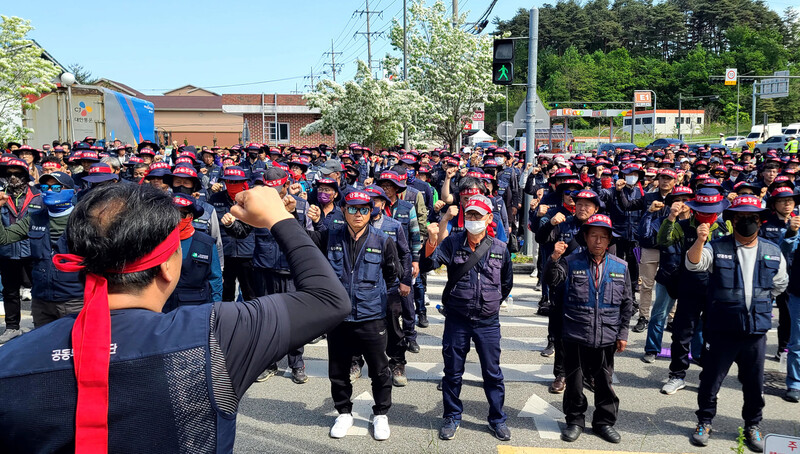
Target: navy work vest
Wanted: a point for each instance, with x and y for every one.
(9, 215)
(391, 227)
(50, 284)
(267, 253)
(160, 387)
(591, 312)
(362, 276)
(478, 293)
(203, 223)
(694, 284)
(726, 311)
(194, 287)
(231, 247)
(402, 214)
(504, 180)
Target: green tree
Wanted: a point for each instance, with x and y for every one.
(24, 74)
(365, 110)
(82, 75)
(449, 68)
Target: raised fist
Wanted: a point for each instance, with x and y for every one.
(314, 213)
(558, 219)
(439, 205)
(794, 223)
(452, 211)
(558, 250)
(542, 210)
(451, 172)
(433, 232)
(655, 206)
(620, 183)
(675, 210)
(703, 231)
(290, 203)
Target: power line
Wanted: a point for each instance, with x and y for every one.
(368, 33)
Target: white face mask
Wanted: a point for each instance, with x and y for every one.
(475, 227)
(500, 159)
(631, 180)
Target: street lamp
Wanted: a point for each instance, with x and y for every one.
(680, 107)
(68, 80)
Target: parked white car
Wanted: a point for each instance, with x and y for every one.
(773, 143)
(735, 142)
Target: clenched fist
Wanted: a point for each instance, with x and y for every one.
(260, 207)
(542, 210)
(655, 206)
(703, 232)
(290, 203)
(558, 250)
(439, 205)
(228, 220)
(433, 232)
(794, 223)
(558, 219)
(314, 213)
(452, 211)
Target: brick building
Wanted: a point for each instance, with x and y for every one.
(260, 111)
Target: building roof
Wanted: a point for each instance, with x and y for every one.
(120, 87)
(266, 103)
(186, 102)
(667, 111)
(188, 90)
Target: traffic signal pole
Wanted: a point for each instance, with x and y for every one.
(530, 114)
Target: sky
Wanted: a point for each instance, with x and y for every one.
(233, 46)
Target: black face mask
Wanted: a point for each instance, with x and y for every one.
(182, 190)
(15, 184)
(351, 178)
(747, 226)
(253, 155)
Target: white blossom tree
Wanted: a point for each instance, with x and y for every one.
(364, 110)
(450, 68)
(23, 73)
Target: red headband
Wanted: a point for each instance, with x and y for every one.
(275, 183)
(471, 191)
(91, 343)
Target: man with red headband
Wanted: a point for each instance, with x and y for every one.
(125, 377)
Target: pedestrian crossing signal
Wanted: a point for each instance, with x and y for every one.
(503, 62)
(502, 73)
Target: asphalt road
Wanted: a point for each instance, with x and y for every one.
(280, 416)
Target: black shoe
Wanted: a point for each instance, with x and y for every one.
(267, 374)
(571, 433)
(544, 308)
(668, 328)
(500, 431)
(315, 340)
(641, 325)
(753, 438)
(422, 321)
(550, 350)
(412, 346)
(299, 375)
(439, 386)
(448, 429)
(701, 434)
(607, 433)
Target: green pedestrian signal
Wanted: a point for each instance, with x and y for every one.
(503, 62)
(502, 73)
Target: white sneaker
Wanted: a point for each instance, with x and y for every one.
(25, 294)
(343, 423)
(533, 273)
(380, 427)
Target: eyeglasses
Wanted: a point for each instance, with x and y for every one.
(50, 187)
(363, 210)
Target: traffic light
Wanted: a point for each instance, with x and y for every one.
(503, 62)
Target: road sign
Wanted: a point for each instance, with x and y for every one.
(781, 444)
(643, 98)
(567, 112)
(506, 130)
(775, 88)
(467, 126)
(730, 76)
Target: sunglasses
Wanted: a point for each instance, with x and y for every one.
(363, 210)
(50, 187)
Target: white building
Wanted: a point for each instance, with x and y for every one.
(666, 122)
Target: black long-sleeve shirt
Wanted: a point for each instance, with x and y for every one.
(254, 334)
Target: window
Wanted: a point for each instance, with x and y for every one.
(283, 132)
(699, 120)
(661, 120)
(627, 122)
(638, 121)
(647, 120)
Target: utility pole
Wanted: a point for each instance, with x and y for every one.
(332, 64)
(753, 114)
(405, 65)
(312, 78)
(530, 113)
(455, 13)
(368, 32)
